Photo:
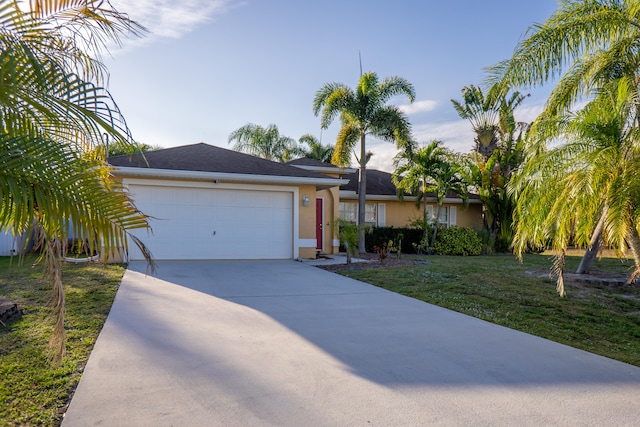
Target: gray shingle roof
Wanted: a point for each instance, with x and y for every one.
(303, 161)
(208, 158)
(379, 183)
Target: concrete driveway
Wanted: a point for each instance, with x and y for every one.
(281, 343)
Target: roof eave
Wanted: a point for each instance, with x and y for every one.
(352, 195)
(133, 172)
(323, 169)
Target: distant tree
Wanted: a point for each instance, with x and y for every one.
(264, 142)
(118, 147)
(316, 150)
(498, 153)
(364, 112)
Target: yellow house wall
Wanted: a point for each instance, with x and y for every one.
(401, 214)
(471, 216)
(307, 222)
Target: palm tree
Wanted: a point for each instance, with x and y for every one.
(498, 153)
(415, 174)
(364, 112)
(53, 113)
(264, 142)
(584, 45)
(447, 180)
(316, 150)
(592, 178)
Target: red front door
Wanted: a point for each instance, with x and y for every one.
(319, 211)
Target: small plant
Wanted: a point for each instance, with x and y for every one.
(422, 247)
(348, 236)
(382, 251)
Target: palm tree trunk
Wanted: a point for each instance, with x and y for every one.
(362, 195)
(57, 343)
(594, 246)
(424, 214)
(634, 243)
(435, 226)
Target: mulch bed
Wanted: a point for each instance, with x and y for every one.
(374, 262)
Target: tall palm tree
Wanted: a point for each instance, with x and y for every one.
(498, 153)
(364, 112)
(592, 178)
(316, 150)
(53, 113)
(264, 142)
(415, 174)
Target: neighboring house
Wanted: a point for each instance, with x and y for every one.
(207, 202)
(11, 245)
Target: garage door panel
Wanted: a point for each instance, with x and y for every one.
(199, 223)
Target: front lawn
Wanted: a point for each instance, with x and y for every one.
(31, 391)
(600, 318)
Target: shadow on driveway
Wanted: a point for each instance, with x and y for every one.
(283, 343)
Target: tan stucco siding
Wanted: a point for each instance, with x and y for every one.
(400, 214)
(307, 221)
(471, 216)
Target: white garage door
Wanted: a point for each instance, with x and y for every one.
(204, 223)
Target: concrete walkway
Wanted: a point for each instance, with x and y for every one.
(282, 343)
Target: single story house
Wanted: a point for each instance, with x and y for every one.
(207, 202)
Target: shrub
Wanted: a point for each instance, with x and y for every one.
(458, 241)
(380, 236)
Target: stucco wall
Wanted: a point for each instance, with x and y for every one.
(307, 222)
(401, 214)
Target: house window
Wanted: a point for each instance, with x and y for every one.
(373, 214)
(348, 211)
(443, 218)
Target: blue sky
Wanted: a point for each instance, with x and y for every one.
(208, 67)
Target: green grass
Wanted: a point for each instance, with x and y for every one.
(602, 319)
(32, 392)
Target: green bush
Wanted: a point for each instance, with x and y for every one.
(379, 236)
(458, 241)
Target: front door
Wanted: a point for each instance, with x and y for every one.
(319, 213)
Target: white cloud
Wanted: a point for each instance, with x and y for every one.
(457, 135)
(170, 18)
(418, 107)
